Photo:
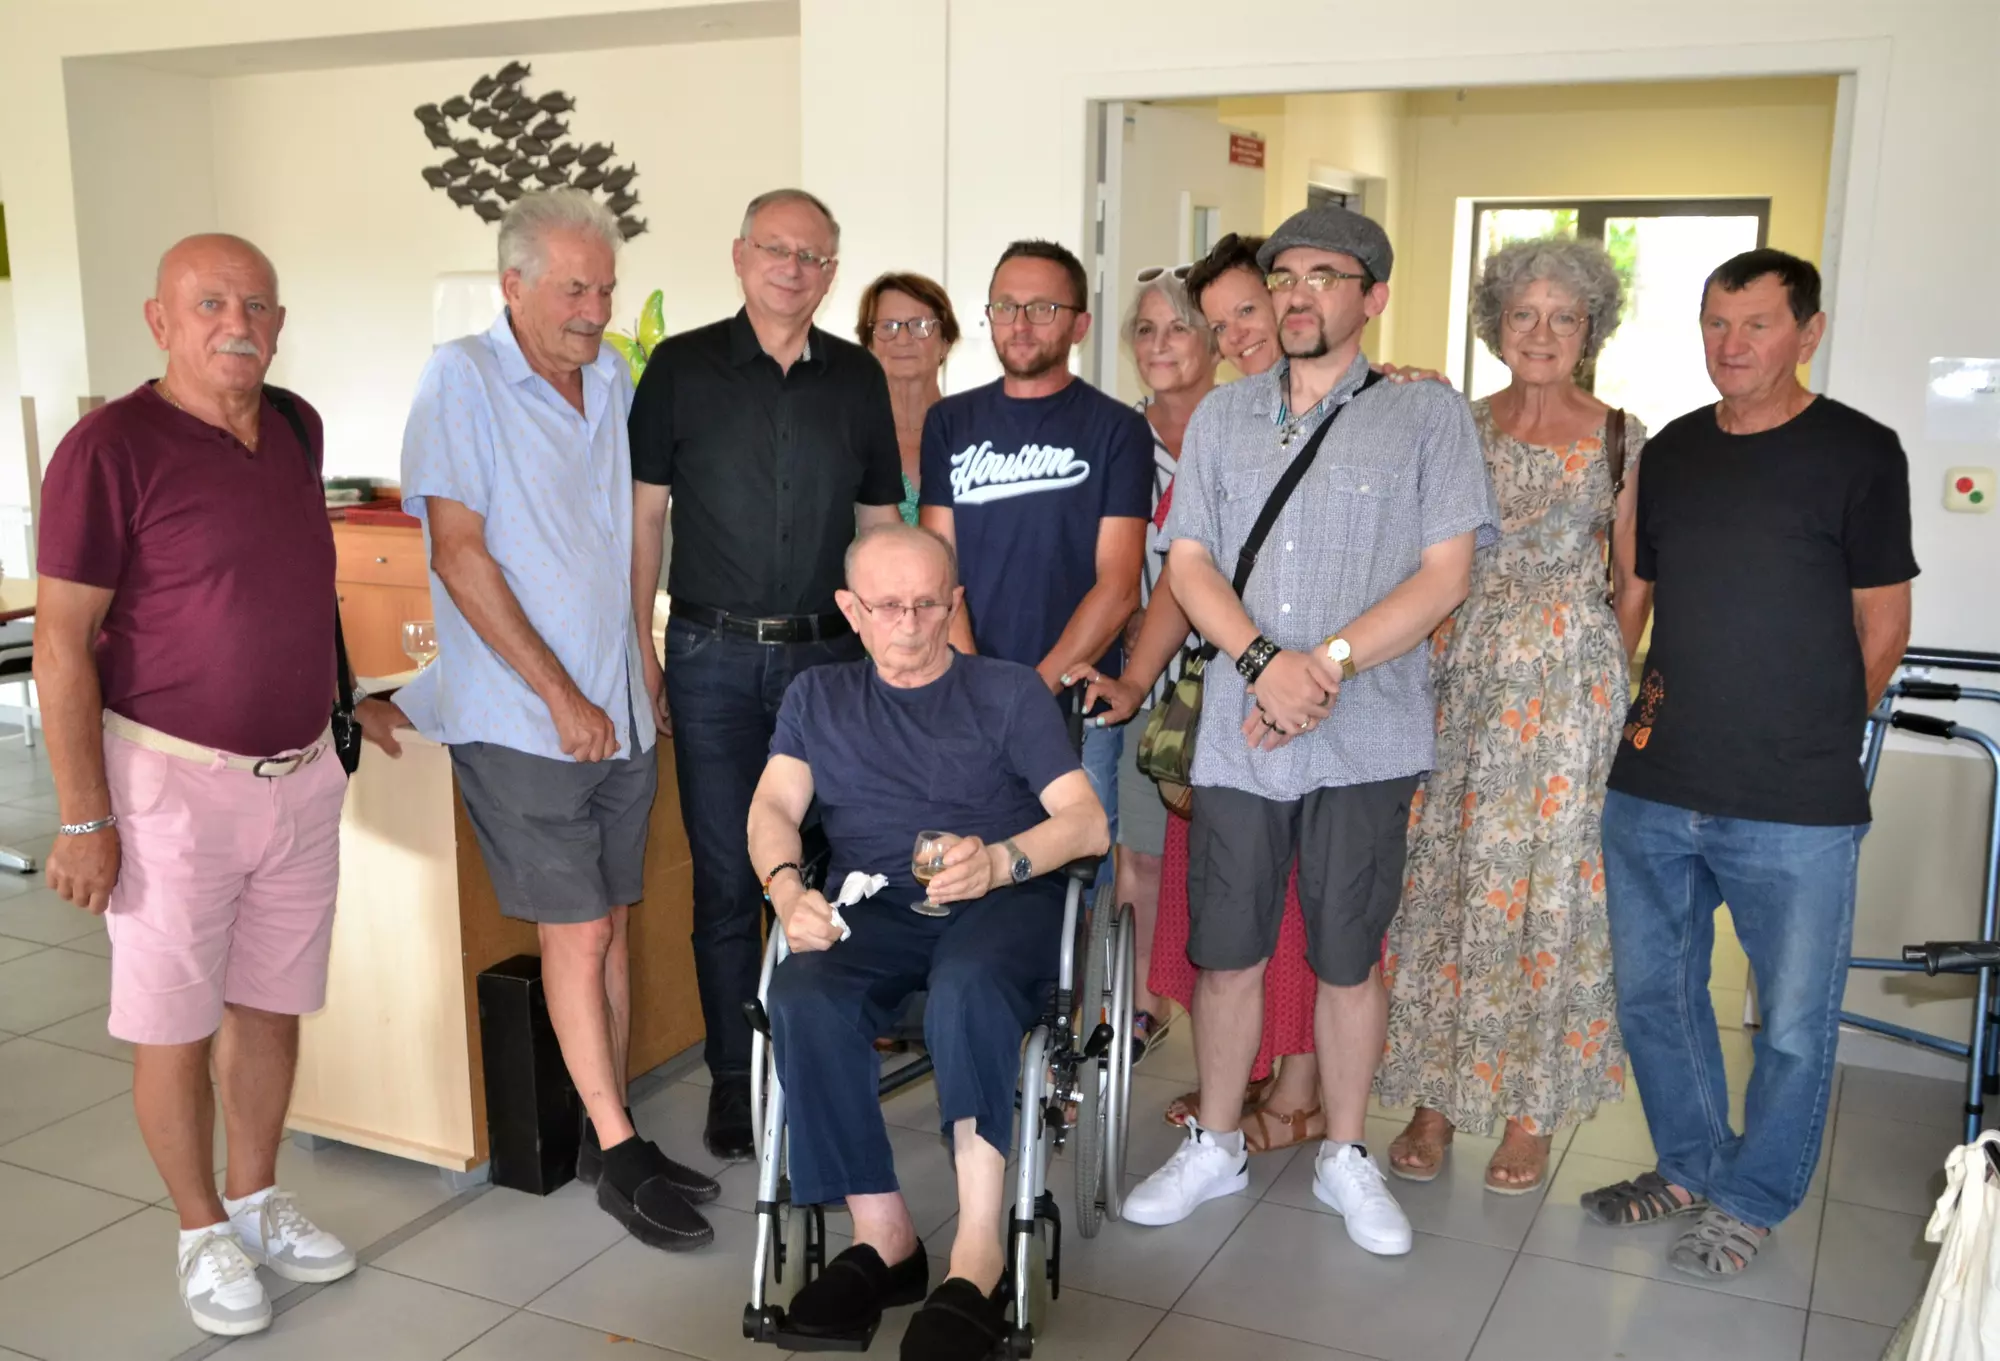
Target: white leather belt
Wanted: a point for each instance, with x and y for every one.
(263, 767)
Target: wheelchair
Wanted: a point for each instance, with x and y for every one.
(1078, 1057)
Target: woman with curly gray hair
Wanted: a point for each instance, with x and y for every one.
(1499, 963)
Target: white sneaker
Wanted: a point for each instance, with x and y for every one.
(1199, 1171)
(1347, 1180)
(278, 1234)
(219, 1285)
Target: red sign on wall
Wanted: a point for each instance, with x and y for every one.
(1246, 150)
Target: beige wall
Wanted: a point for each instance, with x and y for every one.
(359, 237)
(1710, 139)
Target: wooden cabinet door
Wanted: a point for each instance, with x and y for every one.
(372, 619)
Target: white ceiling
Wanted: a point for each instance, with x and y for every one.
(582, 33)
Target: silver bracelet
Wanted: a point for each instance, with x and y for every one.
(86, 828)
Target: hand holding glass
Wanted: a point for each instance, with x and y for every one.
(420, 642)
(926, 860)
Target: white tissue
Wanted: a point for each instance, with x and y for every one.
(857, 886)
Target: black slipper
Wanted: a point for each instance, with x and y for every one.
(849, 1295)
(696, 1187)
(638, 1192)
(959, 1322)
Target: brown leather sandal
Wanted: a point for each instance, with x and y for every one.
(1266, 1130)
(1418, 1154)
(1517, 1154)
(1187, 1105)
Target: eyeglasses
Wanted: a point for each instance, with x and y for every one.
(891, 612)
(1039, 313)
(1562, 321)
(1152, 272)
(1318, 280)
(808, 259)
(920, 327)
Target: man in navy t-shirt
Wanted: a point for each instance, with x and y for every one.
(1044, 485)
(916, 737)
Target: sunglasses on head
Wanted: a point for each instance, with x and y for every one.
(1152, 272)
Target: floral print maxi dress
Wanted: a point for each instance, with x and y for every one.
(1499, 963)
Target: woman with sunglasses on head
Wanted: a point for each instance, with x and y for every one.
(1499, 970)
(907, 323)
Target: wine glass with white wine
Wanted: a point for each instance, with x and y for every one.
(926, 860)
(420, 642)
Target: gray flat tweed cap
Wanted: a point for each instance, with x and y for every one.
(1332, 228)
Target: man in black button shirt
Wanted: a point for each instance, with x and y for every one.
(1775, 527)
(775, 439)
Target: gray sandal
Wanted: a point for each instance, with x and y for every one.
(1642, 1200)
(1719, 1244)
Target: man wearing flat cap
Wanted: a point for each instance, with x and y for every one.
(1318, 721)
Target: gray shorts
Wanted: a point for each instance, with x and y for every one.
(1142, 818)
(564, 842)
(1350, 842)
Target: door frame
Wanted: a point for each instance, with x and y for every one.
(1860, 113)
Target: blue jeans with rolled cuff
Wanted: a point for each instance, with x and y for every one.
(1790, 891)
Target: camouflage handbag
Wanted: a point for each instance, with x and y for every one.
(1166, 747)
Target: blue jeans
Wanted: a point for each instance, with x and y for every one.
(1790, 891)
(987, 966)
(723, 692)
(1101, 749)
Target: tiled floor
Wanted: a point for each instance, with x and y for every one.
(492, 1275)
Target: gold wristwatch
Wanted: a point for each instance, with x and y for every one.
(1337, 650)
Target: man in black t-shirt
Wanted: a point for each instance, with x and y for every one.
(1775, 527)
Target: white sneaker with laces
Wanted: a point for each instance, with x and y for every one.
(1199, 1171)
(219, 1285)
(277, 1233)
(1347, 1180)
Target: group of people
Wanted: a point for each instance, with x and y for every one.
(1434, 852)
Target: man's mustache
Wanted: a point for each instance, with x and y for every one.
(240, 345)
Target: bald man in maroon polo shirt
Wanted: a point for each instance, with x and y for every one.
(184, 652)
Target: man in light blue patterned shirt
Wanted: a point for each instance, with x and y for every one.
(516, 460)
(1311, 745)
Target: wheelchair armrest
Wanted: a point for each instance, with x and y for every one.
(1084, 870)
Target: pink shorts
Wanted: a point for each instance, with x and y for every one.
(224, 894)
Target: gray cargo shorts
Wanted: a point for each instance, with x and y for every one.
(1350, 842)
(564, 841)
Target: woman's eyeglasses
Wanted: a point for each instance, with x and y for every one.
(1562, 321)
(920, 327)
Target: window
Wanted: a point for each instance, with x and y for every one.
(1663, 249)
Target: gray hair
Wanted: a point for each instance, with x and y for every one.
(902, 533)
(771, 197)
(524, 231)
(1578, 266)
(1176, 293)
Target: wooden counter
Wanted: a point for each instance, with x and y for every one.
(392, 1062)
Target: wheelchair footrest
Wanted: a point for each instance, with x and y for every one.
(805, 1342)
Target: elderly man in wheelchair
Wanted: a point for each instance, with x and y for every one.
(914, 737)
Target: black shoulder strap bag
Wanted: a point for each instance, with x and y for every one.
(1166, 747)
(346, 728)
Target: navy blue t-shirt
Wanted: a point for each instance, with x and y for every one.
(1027, 479)
(970, 754)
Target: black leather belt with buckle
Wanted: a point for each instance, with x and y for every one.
(789, 628)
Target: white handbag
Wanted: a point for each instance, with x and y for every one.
(1959, 1319)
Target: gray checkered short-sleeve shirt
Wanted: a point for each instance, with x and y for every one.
(1400, 472)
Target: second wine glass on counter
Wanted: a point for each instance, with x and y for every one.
(420, 642)
(926, 859)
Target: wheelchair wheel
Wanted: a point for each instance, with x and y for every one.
(796, 1249)
(1118, 1077)
(1097, 1075)
(1029, 1266)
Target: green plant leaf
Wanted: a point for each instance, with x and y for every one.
(653, 321)
(635, 354)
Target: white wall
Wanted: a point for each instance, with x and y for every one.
(13, 483)
(358, 236)
(137, 194)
